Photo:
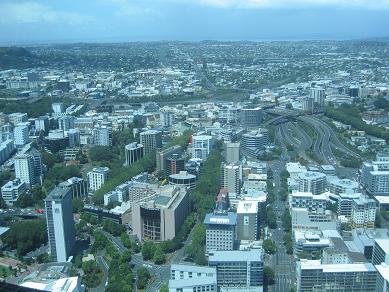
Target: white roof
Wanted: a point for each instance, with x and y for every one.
(247, 207)
(383, 269)
(383, 243)
(334, 268)
(382, 199)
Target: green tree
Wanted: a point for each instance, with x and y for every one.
(268, 276)
(78, 205)
(148, 250)
(143, 276)
(269, 246)
(164, 288)
(159, 257)
(92, 274)
(3, 205)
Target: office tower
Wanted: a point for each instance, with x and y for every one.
(78, 186)
(167, 119)
(337, 186)
(310, 181)
(162, 155)
(12, 190)
(60, 224)
(42, 124)
(174, 164)
(380, 251)
(160, 217)
(238, 269)
(251, 117)
(248, 220)
(382, 278)
(232, 152)
(74, 137)
(312, 275)
(307, 104)
(201, 146)
(184, 179)
(21, 135)
(102, 136)
(6, 149)
(189, 278)
(65, 123)
(231, 177)
(57, 107)
(363, 213)
(133, 153)
(25, 169)
(36, 155)
(17, 118)
(97, 177)
(151, 140)
(252, 143)
(220, 231)
(318, 95)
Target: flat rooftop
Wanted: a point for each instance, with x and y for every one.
(252, 255)
(220, 219)
(336, 268)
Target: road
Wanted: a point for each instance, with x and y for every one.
(104, 266)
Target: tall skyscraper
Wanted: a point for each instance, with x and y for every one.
(21, 135)
(25, 169)
(97, 177)
(60, 224)
(231, 177)
(102, 136)
(251, 117)
(151, 140)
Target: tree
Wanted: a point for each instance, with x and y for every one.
(271, 218)
(164, 288)
(25, 200)
(148, 250)
(268, 276)
(286, 220)
(3, 205)
(159, 257)
(101, 153)
(143, 277)
(92, 274)
(269, 246)
(78, 205)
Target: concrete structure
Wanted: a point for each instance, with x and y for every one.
(12, 190)
(166, 119)
(174, 164)
(251, 117)
(162, 155)
(65, 123)
(102, 136)
(381, 251)
(7, 148)
(312, 203)
(60, 224)
(313, 242)
(17, 118)
(57, 107)
(133, 153)
(302, 219)
(24, 169)
(201, 146)
(187, 278)
(375, 175)
(238, 268)
(151, 140)
(74, 137)
(345, 203)
(248, 220)
(318, 95)
(97, 177)
(183, 178)
(78, 186)
(328, 169)
(382, 278)
(232, 152)
(160, 217)
(220, 231)
(363, 213)
(42, 124)
(231, 178)
(21, 135)
(314, 182)
(337, 186)
(252, 143)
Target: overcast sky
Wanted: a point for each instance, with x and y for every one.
(43, 21)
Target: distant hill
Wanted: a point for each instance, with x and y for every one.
(16, 58)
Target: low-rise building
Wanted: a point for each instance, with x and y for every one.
(12, 190)
(189, 278)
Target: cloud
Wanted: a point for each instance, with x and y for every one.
(28, 12)
(246, 4)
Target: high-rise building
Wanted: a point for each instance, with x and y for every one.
(161, 216)
(74, 137)
(166, 118)
(232, 152)
(17, 118)
(375, 175)
(252, 143)
(97, 177)
(133, 153)
(312, 275)
(307, 104)
(42, 124)
(57, 107)
(201, 146)
(174, 164)
(231, 178)
(78, 186)
(380, 251)
(337, 186)
(310, 181)
(6, 149)
(248, 220)
(318, 95)
(21, 135)
(382, 278)
(151, 140)
(162, 155)
(238, 269)
(184, 179)
(25, 169)
(189, 278)
(65, 123)
(11, 191)
(251, 117)
(60, 224)
(363, 213)
(220, 231)
(102, 136)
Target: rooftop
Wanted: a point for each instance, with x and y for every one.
(383, 243)
(252, 255)
(336, 268)
(220, 219)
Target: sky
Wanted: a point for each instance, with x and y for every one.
(56, 21)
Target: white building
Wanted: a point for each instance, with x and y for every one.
(232, 152)
(189, 278)
(25, 169)
(12, 190)
(337, 186)
(201, 146)
(151, 140)
(231, 178)
(21, 135)
(102, 136)
(6, 149)
(60, 224)
(57, 107)
(133, 152)
(363, 213)
(97, 177)
(313, 182)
